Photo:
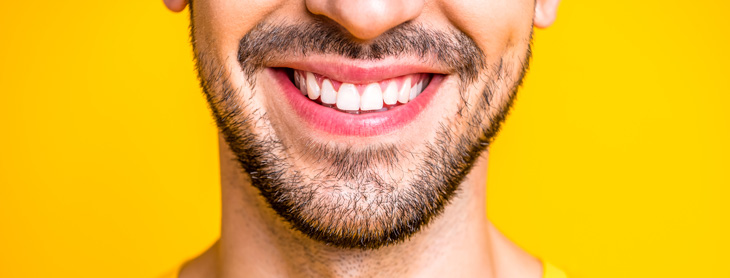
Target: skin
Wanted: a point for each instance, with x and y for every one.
(460, 242)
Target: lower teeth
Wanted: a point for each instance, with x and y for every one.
(357, 112)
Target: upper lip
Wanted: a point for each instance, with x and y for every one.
(359, 71)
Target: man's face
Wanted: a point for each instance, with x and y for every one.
(358, 120)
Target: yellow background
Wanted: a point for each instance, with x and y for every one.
(614, 162)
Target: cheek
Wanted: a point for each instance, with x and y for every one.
(495, 25)
(220, 24)
(500, 28)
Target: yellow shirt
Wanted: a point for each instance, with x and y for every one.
(549, 271)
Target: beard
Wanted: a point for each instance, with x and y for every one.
(367, 196)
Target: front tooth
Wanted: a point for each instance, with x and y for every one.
(403, 94)
(312, 87)
(390, 95)
(372, 98)
(329, 96)
(348, 98)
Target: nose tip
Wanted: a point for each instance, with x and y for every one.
(365, 19)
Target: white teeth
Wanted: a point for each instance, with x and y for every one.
(403, 94)
(329, 96)
(312, 87)
(390, 95)
(348, 98)
(372, 98)
(414, 92)
(417, 89)
(300, 80)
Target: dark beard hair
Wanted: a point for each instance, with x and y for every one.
(453, 50)
(395, 211)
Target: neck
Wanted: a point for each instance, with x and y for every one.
(255, 242)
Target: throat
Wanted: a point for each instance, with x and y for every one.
(256, 242)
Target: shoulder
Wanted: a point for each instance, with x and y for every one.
(200, 266)
(550, 271)
(172, 274)
(512, 261)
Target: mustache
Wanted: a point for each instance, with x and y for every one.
(451, 49)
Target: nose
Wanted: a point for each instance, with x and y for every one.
(367, 19)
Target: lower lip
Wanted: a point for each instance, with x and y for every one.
(344, 124)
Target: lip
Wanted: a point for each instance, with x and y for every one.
(359, 72)
(363, 125)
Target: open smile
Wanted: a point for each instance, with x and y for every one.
(357, 102)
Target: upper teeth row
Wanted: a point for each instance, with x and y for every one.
(348, 98)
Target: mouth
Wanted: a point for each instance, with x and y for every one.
(372, 102)
(373, 97)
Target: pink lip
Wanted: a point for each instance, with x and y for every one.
(339, 123)
(363, 72)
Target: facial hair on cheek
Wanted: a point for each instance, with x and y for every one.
(393, 212)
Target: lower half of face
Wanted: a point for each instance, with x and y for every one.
(359, 143)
